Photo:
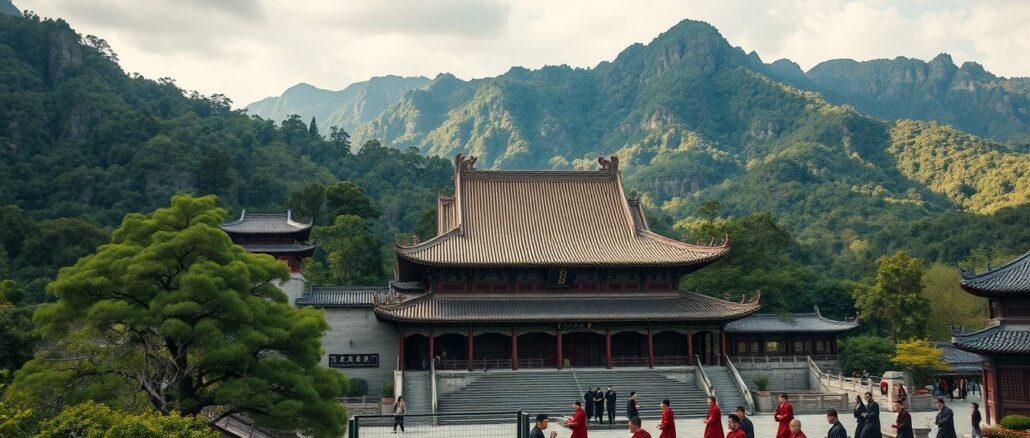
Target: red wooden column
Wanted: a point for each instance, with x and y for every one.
(514, 349)
(690, 346)
(468, 353)
(650, 348)
(608, 346)
(557, 333)
(432, 348)
(722, 347)
(400, 350)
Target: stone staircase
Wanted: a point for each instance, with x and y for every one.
(726, 391)
(552, 392)
(417, 392)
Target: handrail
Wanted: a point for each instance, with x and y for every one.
(705, 383)
(574, 376)
(741, 386)
(432, 384)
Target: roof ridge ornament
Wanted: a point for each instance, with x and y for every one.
(609, 165)
(464, 164)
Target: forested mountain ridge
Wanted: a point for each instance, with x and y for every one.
(694, 120)
(8, 8)
(348, 108)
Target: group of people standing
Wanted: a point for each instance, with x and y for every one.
(596, 401)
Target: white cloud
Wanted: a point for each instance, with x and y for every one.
(252, 49)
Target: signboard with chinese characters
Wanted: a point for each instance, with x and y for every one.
(560, 277)
(366, 360)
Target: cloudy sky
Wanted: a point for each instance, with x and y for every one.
(252, 49)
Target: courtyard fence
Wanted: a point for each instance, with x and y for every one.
(503, 424)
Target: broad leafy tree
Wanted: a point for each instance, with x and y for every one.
(921, 358)
(307, 201)
(866, 352)
(16, 337)
(172, 314)
(949, 304)
(352, 254)
(347, 198)
(96, 420)
(893, 300)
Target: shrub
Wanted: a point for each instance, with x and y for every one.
(387, 390)
(763, 381)
(1016, 422)
(96, 420)
(1001, 432)
(358, 387)
(866, 352)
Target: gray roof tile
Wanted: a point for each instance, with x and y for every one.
(797, 322)
(1010, 279)
(343, 296)
(999, 339)
(261, 223)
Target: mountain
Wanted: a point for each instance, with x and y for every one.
(7, 7)
(967, 96)
(695, 119)
(348, 108)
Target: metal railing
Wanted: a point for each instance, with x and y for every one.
(451, 425)
(706, 384)
(784, 359)
(741, 386)
(860, 384)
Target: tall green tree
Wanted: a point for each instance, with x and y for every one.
(866, 352)
(173, 314)
(949, 304)
(893, 300)
(307, 201)
(347, 198)
(17, 339)
(352, 254)
(313, 128)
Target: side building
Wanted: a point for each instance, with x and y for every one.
(279, 236)
(1005, 343)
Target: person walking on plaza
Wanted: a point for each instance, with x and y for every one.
(399, 408)
(784, 414)
(745, 422)
(588, 403)
(636, 429)
(871, 429)
(795, 429)
(859, 416)
(884, 386)
(733, 424)
(903, 423)
(599, 405)
(577, 423)
(713, 422)
(632, 407)
(609, 402)
(836, 429)
(945, 420)
(975, 416)
(668, 423)
(541, 425)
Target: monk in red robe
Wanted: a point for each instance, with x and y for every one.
(636, 429)
(784, 415)
(668, 423)
(578, 421)
(795, 429)
(713, 422)
(733, 423)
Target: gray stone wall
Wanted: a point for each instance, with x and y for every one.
(357, 331)
(783, 379)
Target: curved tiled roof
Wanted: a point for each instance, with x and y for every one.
(263, 223)
(999, 339)
(435, 308)
(797, 322)
(343, 296)
(549, 218)
(961, 362)
(1012, 278)
(279, 248)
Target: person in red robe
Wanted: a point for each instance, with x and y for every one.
(784, 415)
(668, 423)
(713, 422)
(795, 429)
(577, 422)
(636, 429)
(733, 424)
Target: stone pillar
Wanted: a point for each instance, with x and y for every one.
(559, 359)
(514, 349)
(400, 350)
(650, 348)
(468, 352)
(722, 347)
(608, 346)
(690, 346)
(432, 347)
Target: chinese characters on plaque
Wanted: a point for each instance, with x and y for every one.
(366, 360)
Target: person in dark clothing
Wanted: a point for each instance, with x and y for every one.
(745, 422)
(836, 429)
(632, 407)
(609, 402)
(599, 405)
(903, 424)
(859, 416)
(541, 425)
(871, 429)
(588, 403)
(975, 416)
(945, 420)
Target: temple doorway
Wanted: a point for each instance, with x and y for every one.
(584, 349)
(670, 348)
(450, 350)
(536, 350)
(705, 347)
(416, 352)
(629, 349)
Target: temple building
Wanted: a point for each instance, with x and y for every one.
(277, 235)
(797, 334)
(1005, 343)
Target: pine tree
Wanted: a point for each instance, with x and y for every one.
(313, 128)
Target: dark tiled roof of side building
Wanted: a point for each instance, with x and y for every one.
(436, 308)
(797, 322)
(548, 218)
(1013, 278)
(264, 223)
(961, 362)
(343, 296)
(997, 339)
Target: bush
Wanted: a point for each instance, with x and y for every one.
(866, 352)
(1001, 432)
(1016, 422)
(358, 387)
(96, 420)
(387, 390)
(763, 381)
